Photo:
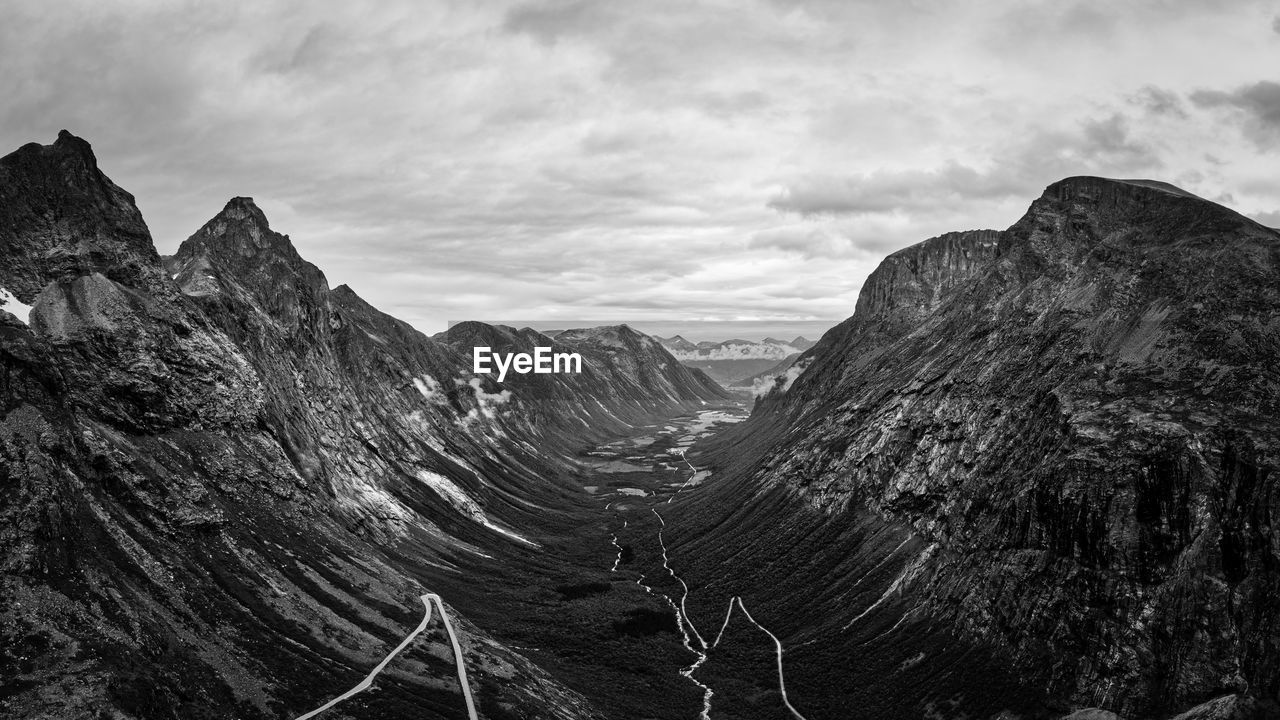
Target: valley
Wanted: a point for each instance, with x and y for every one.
(608, 619)
(1031, 476)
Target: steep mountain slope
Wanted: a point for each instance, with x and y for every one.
(1052, 447)
(224, 486)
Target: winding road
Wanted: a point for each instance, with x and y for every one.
(703, 650)
(364, 684)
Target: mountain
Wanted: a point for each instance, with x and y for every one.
(229, 489)
(627, 377)
(1035, 472)
(678, 344)
(1033, 476)
(728, 361)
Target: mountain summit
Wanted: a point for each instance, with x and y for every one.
(61, 218)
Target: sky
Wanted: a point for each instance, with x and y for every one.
(729, 160)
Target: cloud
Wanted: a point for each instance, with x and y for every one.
(458, 159)
(1275, 25)
(548, 21)
(1256, 107)
(887, 191)
(1099, 146)
(1159, 101)
(1110, 142)
(808, 242)
(1270, 219)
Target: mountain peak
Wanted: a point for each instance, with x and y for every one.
(1093, 189)
(61, 218)
(68, 142)
(238, 245)
(1149, 211)
(243, 227)
(241, 208)
(242, 219)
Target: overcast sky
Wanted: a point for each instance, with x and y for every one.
(726, 160)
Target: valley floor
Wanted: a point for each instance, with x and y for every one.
(662, 594)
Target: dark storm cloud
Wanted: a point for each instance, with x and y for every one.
(1256, 107)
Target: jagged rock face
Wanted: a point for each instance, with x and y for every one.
(61, 218)
(225, 500)
(912, 282)
(1079, 416)
(241, 245)
(129, 351)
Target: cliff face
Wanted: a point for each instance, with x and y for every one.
(1075, 421)
(61, 218)
(912, 282)
(224, 485)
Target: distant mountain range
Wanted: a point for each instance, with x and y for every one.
(729, 362)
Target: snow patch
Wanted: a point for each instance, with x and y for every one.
(486, 403)
(365, 496)
(462, 502)
(430, 390)
(15, 307)
(454, 495)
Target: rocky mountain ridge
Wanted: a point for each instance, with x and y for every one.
(226, 485)
(1076, 420)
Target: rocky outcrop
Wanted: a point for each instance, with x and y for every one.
(911, 283)
(61, 218)
(1076, 420)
